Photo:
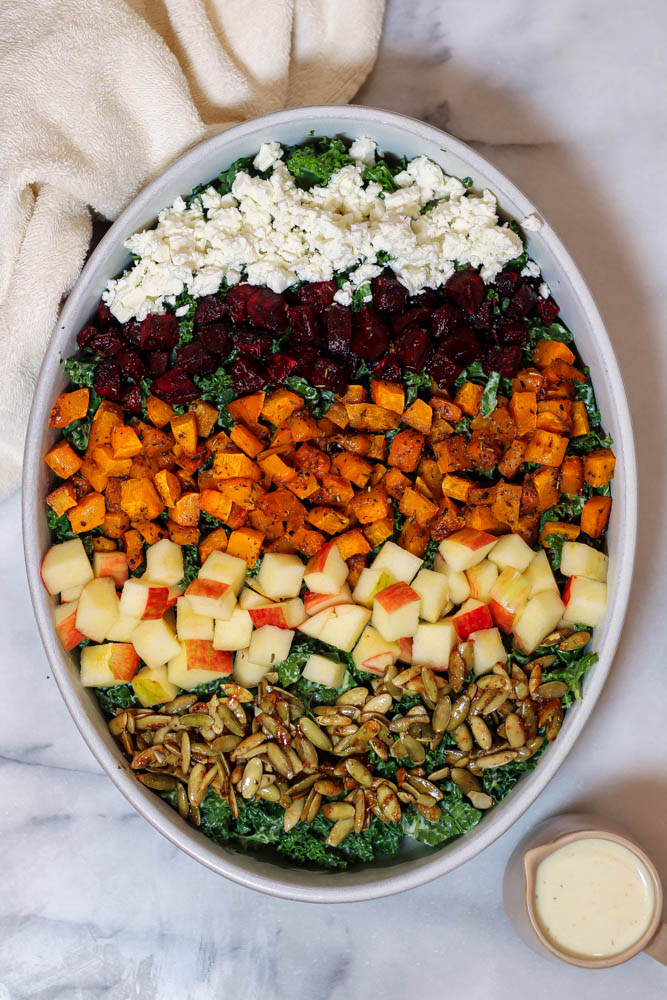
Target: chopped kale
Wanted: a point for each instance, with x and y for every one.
(226, 177)
(361, 297)
(318, 400)
(490, 395)
(414, 381)
(112, 698)
(314, 162)
(190, 564)
(81, 372)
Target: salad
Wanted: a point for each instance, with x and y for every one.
(329, 505)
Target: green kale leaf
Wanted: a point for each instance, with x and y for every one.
(318, 400)
(81, 372)
(314, 162)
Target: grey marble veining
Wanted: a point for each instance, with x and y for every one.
(570, 100)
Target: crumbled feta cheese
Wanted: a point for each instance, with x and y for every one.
(544, 290)
(531, 270)
(344, 295)
(181, 311)
(532, 223)
(363, 150)
(269, 153)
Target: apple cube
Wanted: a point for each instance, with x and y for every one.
(283, 614)
(164, 562)
(322, 670)
(585, 601)
(433, 590)
(122, 629)
(481, 579)
(97, 609)
(459, 587)
(432, 645)
(399, 563)
(326, 571)
(472, 616)
(144, 599)
(396, 611)
(108, 664)
(466, 548)
(511, 550)
(374, 654)
(508, 595)
(65, 619)
(211, 598)
(405, 649)
(487, 650)
(536, 619)
(269, 646)
(224, 568)
(314, 602)
(113, 564)
(578, 559)
(247, 673)
(281, 575)
(198, 663)
(340, 625)
(152, 685)
(189, 624)
(249, 598)
(71, 594)
(155, 642)
(539, 575)
(66, 565)
(370, 583)
(235, 633)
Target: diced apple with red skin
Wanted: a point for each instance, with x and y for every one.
(284, 614)
(155, 642)
(396, 611)
(539, 575)
(152, 685)
(71, 594)
(281, 575)
(65, 619)
(511, 550)
(246, 673)
(466, 548)
(66, 565)
(252, 583)
(401, 565)
(122, 629)
(211, 598)
(97, 609)
(471, 617)
(459, 587)
(113, 564)
(108, 664)
(481, 579)
(432, 645)
(249, 598)
(198, 663)
(508, 595)
(340, 625)
(433, 590)
(235, 633)
(322, 670)
(224, 568)
(578, 559)
(585, 601)
(488, 649)
(144, 599)
(164, 562)
(189, 624)
(174, 593)
(536, 619)
(370, 583)
(314, 602)
(405, 649)
(326, 571)
(269, 646)
(374, 654)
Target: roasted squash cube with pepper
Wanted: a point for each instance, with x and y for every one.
(139, 498)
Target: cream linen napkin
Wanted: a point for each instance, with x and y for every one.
(99, 96)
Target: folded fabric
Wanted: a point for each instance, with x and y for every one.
(100, 95)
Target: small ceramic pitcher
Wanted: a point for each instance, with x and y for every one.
(519, 889)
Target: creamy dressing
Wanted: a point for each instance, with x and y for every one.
(593, 897)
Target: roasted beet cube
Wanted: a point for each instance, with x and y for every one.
(509, 331)
(85, 335)
(132, 332)
(389, 295)
(236, 299)
(267, 310)
(132, 364)
(466, 289)
(175, 387)
(506, 282)
(371, 334)
(523, 301)
(305, 359)
(209, 309)
(421, 315)
(483, 318)
(548, 310)
(303, 325)
(104, 314)
(337, 329)
(427, 299)
(158, 362)
(318, 294)
(279, 367)
(443, 370)
(388, 369)
(195, 360)
(109, 380)
(412, 348)
(107, 343)
(445, 319)
(248, 376)
(159, 332)
(251, 343)
(215, 337)
(463, 345)
(506, 360)
(132, 400)
(328, 374)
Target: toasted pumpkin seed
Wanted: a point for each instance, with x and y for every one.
(197, 720)
(463, 738)
(457, 671)
(337, 810)
(159, 782)
(459, 713)
(180, 704)
(354, 696)
(359, 772)
(415, 750)
(430, 687)
(339, 831)
(311, 806)
(552, 689)
(279, 760)
(388, 803)
(292, 814)
(515, 730)
(495, 759)
(230, 721)
(328, 787)
(270, 793)
(313, 733)
(248, 744)
(440, 774)
(480, 800)
(466, 781)
(442, 714)
(557, 636)
(252, 775)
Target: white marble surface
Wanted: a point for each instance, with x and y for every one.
(570, 100)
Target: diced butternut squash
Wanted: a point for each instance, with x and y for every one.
(456, 487)
(580, 423)
(139, 498)
(396, 483)
(469, 398)
(159, 412)
(328, 520)
(572, 475)
(414, 538)
(124, 442)
(184, 429)
(276, 469)
(371, 417)
(354, 394)
(168, 486)
(115, 524)
(216, 541)
(186, 510)
(405, 451)
(372, 505)
(452, 454)
(68, 407)
(390, 395)
(246, 440)
(545, 482)
(599, 467)
(88, 513)
(133, 545)
(150, 531)
(379, 531)
(416, 507)
(247, 409)
(232, 465)
(547, 351)
(333, 490)
(182, 535)
(523, 407)
(419, 416)
(280, 405)
(63, 460)
(446, 409)
(546, 448)
(483, 519)
(103, 423)
(101, 544)
(595, 516)
(569, 531)
(302, 426)
(378, 447)
(352, 467)
(511, 461)
(352, 543)
(246, 543)
(242, 491)
(507, 502)
(304, 485)
(105, 461)
(312, 459)
(62, 498)
(206, 416)
(306, 541)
